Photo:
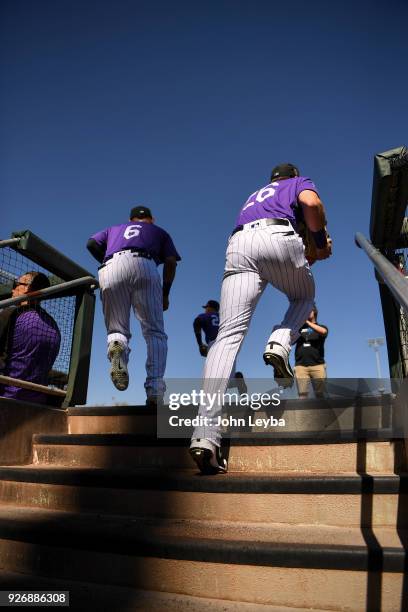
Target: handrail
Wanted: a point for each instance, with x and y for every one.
(44, 293)
(396, 282)
(26, 384)
(8, 242)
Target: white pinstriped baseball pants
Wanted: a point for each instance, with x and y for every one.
(234, 365)
(255, 257)
(128, 281)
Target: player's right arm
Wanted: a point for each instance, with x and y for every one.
(197, 330)
(315, 219)
(197, 325)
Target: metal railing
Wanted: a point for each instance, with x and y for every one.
(396, 282)
(89, 281)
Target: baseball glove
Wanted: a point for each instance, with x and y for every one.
(203, 350)
(312, 253)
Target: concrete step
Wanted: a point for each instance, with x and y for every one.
(113, 550)
(343, 500)
(99, 597)
(273, 455)
(112, 420)
(345, 415)
(156, 529)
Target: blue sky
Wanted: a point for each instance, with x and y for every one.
(185, 107)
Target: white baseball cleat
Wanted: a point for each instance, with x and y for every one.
(207, 456)
(118, 372)
(278, 357)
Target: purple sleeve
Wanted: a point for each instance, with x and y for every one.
(303, 184)
(100, 237)
(168, 249)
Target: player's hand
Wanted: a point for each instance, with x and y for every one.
(203, 350)
(165, 302)
(326, 252)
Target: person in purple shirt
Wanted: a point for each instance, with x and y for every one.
(30, 341)
(128, 278)
(263, 248)
(207, 323)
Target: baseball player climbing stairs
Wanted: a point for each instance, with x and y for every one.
(122, 520)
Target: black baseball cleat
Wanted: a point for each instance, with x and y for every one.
(278, 357)
(118, 372)
(207, 456)
(153, 401)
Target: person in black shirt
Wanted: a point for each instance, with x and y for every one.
(309, 356)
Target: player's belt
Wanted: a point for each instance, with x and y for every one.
(136, 251)
(260, 223)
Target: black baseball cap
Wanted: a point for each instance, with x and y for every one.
(287, 170)
(141, 212)
(212, 304)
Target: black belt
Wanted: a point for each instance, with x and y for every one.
(139, 252)
(239, 228)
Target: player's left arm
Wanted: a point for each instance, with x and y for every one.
(169, 273)
(317, 328)
(313, 210)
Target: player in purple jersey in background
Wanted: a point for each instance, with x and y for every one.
(29, 341)
(208, 323)
(128, 278)
(263, 248)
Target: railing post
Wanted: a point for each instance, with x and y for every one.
(77, 386)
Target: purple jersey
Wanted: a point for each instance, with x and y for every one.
(32, 350)
(278, 200)
(139, 235)
(209, 323)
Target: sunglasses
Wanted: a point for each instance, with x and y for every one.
(16, 283)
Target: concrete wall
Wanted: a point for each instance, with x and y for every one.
(19, 421)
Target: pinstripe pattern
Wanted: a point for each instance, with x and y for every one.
(234, 365)
(128, 281)
(255, 257)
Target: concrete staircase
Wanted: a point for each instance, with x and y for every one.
(123, 521)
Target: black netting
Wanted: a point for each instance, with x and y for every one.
(400, 260)
(35, 336)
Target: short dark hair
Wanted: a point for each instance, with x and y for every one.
(38, 281)
(212, 304)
